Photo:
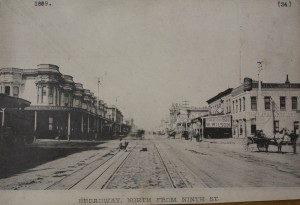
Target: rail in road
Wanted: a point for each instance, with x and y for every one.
(99, 173)
(95, 175)
(181, 175)
(176, 180)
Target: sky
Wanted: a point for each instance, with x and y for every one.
(151, 53)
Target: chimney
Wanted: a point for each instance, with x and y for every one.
(287, 80)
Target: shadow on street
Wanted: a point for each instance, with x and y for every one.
(17, 159)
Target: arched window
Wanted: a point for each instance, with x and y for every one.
(66, 99)
(16, 91)
(44, 92)
(7, 90)
(50, 97)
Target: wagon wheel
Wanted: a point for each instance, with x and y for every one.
(262, 147)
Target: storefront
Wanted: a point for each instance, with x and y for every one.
(217, 126)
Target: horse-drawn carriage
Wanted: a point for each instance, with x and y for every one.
(171, 133)
(263, 142)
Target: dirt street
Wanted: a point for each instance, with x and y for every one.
(159, 162)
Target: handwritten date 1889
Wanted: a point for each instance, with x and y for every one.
(42, 3)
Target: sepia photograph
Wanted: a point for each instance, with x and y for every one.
(149, 101)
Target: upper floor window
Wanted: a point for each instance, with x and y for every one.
(236, 106)
(66, 99)
(232, 107)
(282, 103)
(267, 103)
(240, 105)
(76, 102)
(244, 104)
(51, 91)
(294, 103)
(227, 106)
(43, 94)
(7, 90)
(253, 103)
(16, 91)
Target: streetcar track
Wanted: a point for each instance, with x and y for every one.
(172, 163)
(103, 172)
(165, 167)
(90, 172)
(80, 169)
(119, 167)
(94, 171)
(207, 176)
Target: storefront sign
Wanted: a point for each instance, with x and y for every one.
(218, 122)
(58, 108)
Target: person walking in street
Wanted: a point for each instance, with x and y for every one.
(294, 138)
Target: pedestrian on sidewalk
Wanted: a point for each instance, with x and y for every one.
(121, 144)
(294, 138)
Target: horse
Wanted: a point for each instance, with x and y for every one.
(123, 146)
(171, 133)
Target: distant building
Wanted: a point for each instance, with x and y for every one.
(182, 116)
(116, 116)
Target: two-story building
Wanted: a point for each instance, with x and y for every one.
(181, 117)
(116, 116)
(60, 107)
(219, 123)
(270, 108)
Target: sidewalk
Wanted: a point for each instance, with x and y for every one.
(225, 140)
(238, 143)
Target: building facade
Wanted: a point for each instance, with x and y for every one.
(182, 116)
(60, 107)
(219, 124)
(116, 116)
(270, 108)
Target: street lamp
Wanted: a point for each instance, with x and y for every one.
(98, 97)
(258, 111)
(116, 116)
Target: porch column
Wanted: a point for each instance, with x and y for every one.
(88, 124)
(202, 129)
(69, 125)
(239, 129)
(3, 118)
(82, 123)
(35, 126)
(245, 128)
(97, 125)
